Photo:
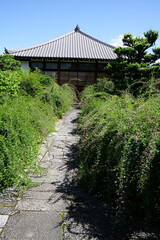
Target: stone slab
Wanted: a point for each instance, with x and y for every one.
(57, 155)
(8, 203)
(56, 150)
(45, 164)
(59, 143)
(57, 160)
(55, 147)
(59, 166)
(3, 220)
(45, 187)
(38, 179)
(64, 133)
(57, 171)
(34, 226)
(38, 195)
(72, 138)
(55, 178)
(47, 157)
(55, 204)
(60, 137)
(6, 210)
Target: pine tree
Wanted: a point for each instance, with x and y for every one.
(134, 64)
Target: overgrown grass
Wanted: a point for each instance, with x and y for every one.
(28, 112)
(120, 143)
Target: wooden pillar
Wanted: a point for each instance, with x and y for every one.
(58, 73)
(44, 65)
(30, 64)
(96, 71)
(77, 71)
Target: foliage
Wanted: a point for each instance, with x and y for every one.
(119, 152)
(9, 83)
(33, 83)
(60, 97)
(7, 62)
(134, 63)
(23, 124)
(31, 104)
(103, 86)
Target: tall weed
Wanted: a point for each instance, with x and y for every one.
(23, 124)
(30, 105)
(120, 142)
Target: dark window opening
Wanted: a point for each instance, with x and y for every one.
(87, 66)
(37, 65)
(101, 67)
(68, 66)
(51, 65)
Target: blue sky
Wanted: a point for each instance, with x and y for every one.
(28, 22)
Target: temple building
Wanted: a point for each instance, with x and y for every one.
(75, 58)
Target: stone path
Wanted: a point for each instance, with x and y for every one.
(40, 213)
(58, 209)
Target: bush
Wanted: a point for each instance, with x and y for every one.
(60, 97)
(120, 142)
(24, 122)
(105, 85)
(7, 62)
(31, 104)
(33, 83)
(9, 83)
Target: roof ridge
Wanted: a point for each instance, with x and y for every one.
(95, 39)
(40, 44)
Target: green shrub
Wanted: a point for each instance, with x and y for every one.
(24, 122)
(33, 83)
(9, 83)
(31, 104)
(87, 92)
(105, 85)
(7, 62)
(120, 143)
(43, 86)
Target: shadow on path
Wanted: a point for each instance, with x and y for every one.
(88, 217)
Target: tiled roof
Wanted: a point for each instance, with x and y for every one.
(75, 45)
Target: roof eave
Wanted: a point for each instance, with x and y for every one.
(65, 58)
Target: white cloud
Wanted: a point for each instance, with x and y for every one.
(117, 41)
